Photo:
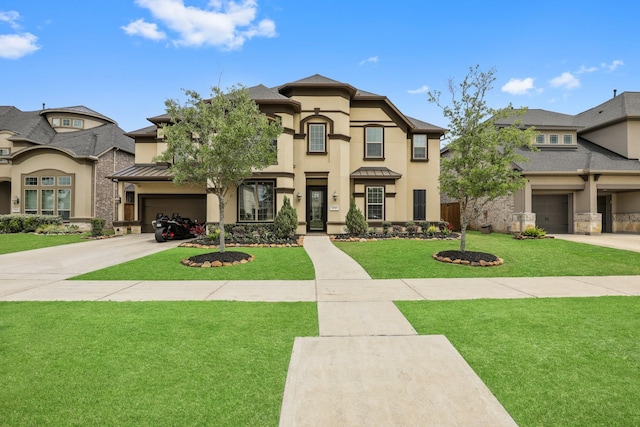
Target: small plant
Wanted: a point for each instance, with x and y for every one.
(411, 227)
(386, 225)
(57, 229)
(285, 223)
(97, 226)
(424, 226)
(432, 229)
(214, 234)
(397, 229)
(355, 221)
(535, 232)
(446, 231)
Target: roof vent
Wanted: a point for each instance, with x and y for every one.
(615, 91)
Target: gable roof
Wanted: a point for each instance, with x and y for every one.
(33, 127)
(621, 107)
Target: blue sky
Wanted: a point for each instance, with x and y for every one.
(124, 58)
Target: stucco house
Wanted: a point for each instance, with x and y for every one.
(55, 161)
(585, 178)
(339, 142)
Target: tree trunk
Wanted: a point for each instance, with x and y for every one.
(221, 205)
(463, 238)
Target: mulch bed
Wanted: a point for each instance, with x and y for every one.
(217, 259)
(474, 259)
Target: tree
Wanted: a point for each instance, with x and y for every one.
(286, 221)
(479, 167)
(355, 221)
(216, 143)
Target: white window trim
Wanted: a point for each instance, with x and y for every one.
(557, 137)
(564, 139)
(367, 143)
(324, 138)
(367, 203)
(426, 143)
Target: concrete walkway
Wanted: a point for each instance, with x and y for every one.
(368, 366)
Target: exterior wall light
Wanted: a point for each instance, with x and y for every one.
(299, 196)
(16, 200)
(335, 196)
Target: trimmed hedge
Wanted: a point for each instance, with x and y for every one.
(27, 223)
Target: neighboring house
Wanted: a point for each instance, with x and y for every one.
(55, 162)
(585, 178)
(339, 142)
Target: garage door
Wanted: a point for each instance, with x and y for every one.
(552, 212)
(192, 206)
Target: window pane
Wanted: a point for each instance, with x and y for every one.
(64, 180)
(419, 205)
(374, 150)
(77, 123)
(553, 139)
(47, 202)
(316, 138)
(374, 134)
(568, 139)
(375, 203)
(55, 122)
(265, 201)
(47, 180)
(66, 122)
(540, 139)
(247, 201)
(256, 201)
(30, 180)
(373, 137)
(64, 204)
(31, 201)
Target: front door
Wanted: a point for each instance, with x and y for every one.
(316, 208)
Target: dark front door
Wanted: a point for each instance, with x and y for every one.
(316, 208)
(604, 208)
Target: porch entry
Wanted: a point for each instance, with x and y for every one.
(317, 208)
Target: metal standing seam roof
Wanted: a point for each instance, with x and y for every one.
(375, 172)
(143, 172)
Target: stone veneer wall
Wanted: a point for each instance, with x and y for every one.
(496, 213)
(106, 190)
(626, 223)
(587, 223)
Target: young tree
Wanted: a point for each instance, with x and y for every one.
(479, 165)
(216, 143)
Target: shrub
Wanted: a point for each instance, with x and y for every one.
(285, 223)
(397, 229)
(411, 227)
(57, 229)
(424, 226)
(355, 221)
(385, 227)
(97, 226)
(535, 232)
(13, 223)
(432, 229)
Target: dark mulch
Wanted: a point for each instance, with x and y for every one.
(220, 256)
(468, 256)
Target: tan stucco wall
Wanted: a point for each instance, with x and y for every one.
(614, 138)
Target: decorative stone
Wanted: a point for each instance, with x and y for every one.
(216, 264)
(206, 264)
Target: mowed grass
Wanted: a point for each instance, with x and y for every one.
(388, 259)
(269, 264)
(18, 242)
(550, 362)
(147, 364)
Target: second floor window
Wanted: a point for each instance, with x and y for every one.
(553, 139)
(317, 138)
(374, 140)
(540, 139)
(419, 147)
(568, 139)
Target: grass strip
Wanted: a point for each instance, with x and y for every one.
(550, 362)
(147, 364)
(18, 242)
(269, 264)
(389, 259)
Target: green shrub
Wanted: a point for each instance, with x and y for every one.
(536, 232)
(97, 226)
(424, 226)
(355, 221)
(411, 227)
(432, 229)
(20, 223)
(285, 223)
(386, 225)
(57, 229)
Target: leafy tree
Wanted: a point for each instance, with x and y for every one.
(479, 165)
(216, 143)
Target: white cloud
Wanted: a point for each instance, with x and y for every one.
(584, 70)
(222, 23)
(10, 17)
(423, 89)
(370, 60)
(566, 80)
(611, 67)
(519, 86)
(14, 46)
(144, 29)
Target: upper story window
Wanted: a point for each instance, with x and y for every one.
(30, 180)
(567, 139)
(540, 138)
(4, 152)
(553, 139)
(67, 122)
(317, 138)
(374, 142)
(419, 147)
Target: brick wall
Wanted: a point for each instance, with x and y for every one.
(106, 190)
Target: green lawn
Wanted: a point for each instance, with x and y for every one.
(18, 242)
(269, 264)
(550, 362)
(147, 364)
(388, 259)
